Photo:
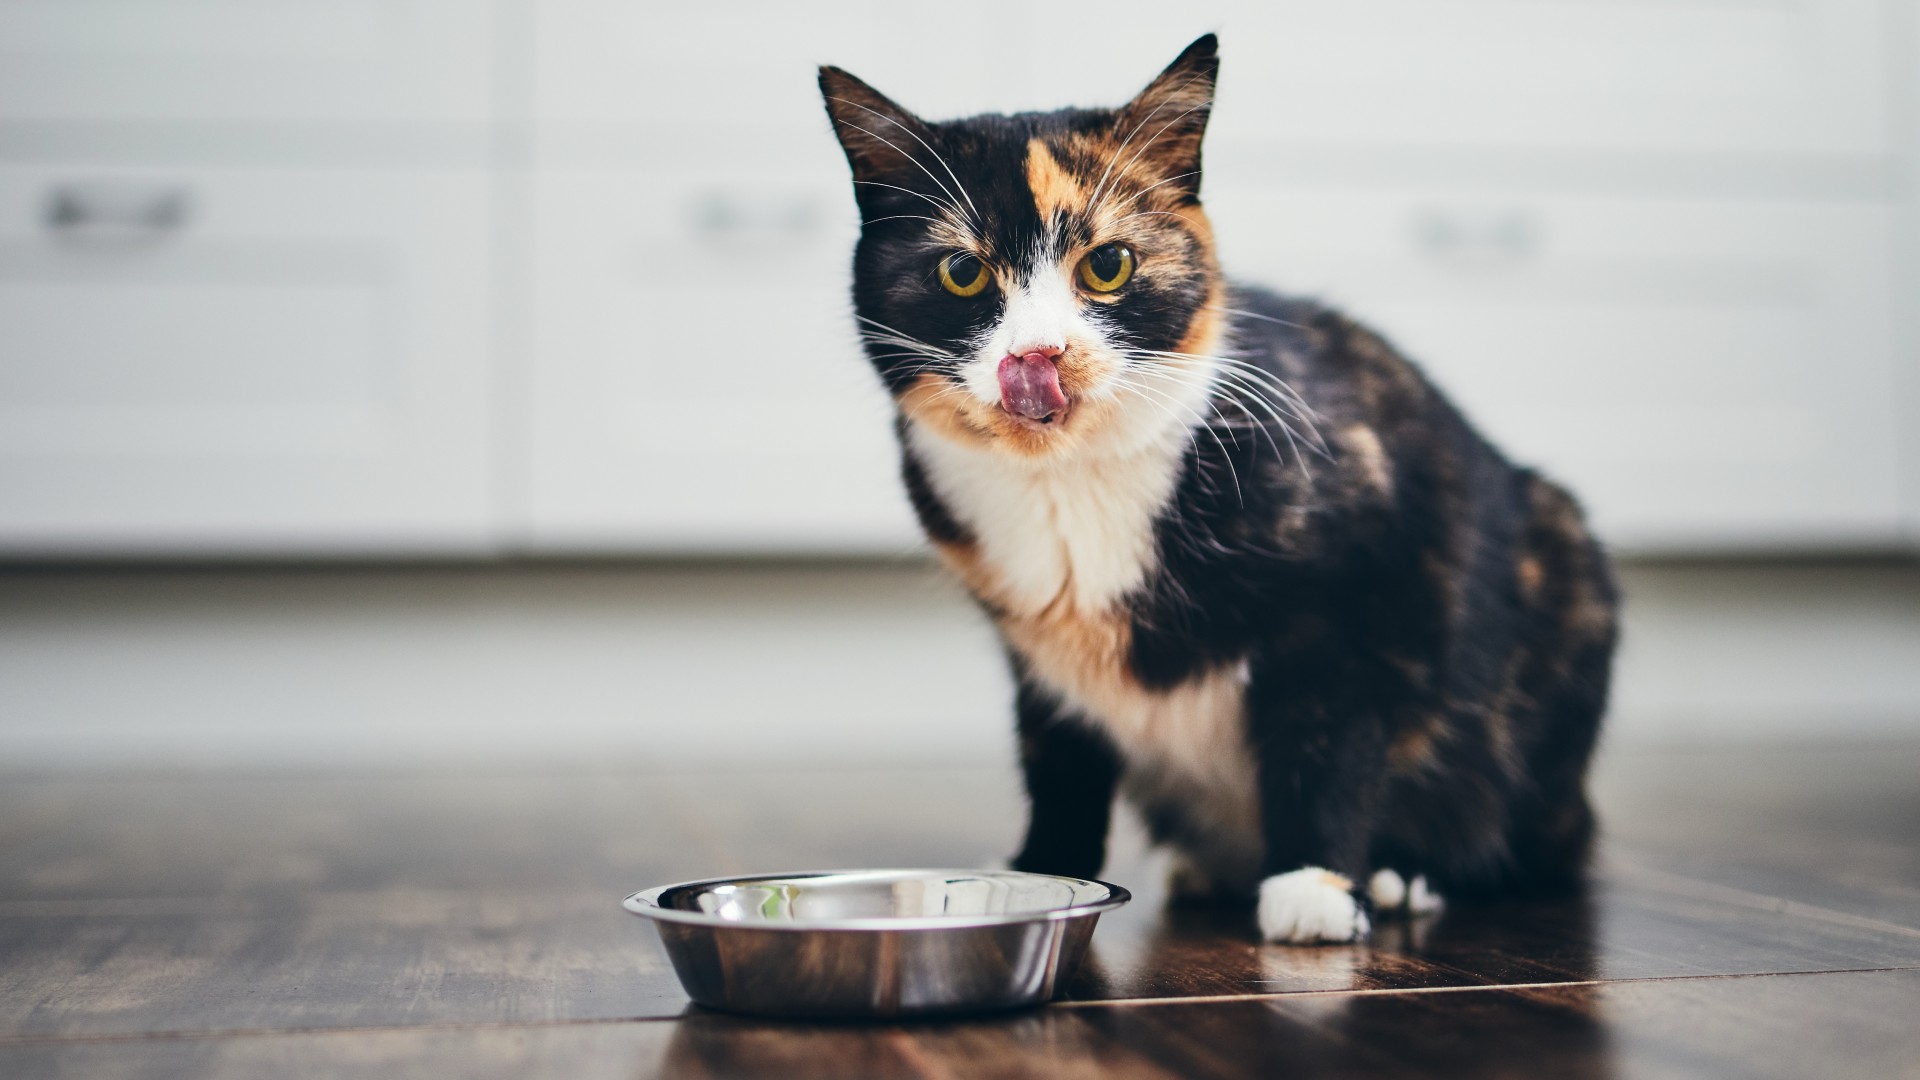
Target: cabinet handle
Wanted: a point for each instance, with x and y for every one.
(1492, 235)
(117, 209)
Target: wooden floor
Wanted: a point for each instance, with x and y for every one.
(1755, 914)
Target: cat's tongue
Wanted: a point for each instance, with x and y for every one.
(1030, 386)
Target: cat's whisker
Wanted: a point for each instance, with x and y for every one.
(902, 217)
(1256, 315)
(941, 203)
(1142, 391)
(936, 154)
(1237, 384)
(1138, 195)
(899, 337)
(896, 149)
(1148, 145)
(1253, 420)
(1300, 410)
(1100, 185)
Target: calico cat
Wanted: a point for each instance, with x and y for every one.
(1250, 568)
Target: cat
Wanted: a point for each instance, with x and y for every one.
(1250, 568)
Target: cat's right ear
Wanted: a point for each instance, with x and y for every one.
(881, 138)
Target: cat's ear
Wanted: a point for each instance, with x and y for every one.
(881, 138)
(1165, 123)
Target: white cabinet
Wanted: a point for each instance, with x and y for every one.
(1692, 76)
(691, 77)
(693, 380)
(1704, 374)
(353, 61)
(216, 361)
(338, 276)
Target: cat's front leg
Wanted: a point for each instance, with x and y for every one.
(1320, 748)
(1071, 771)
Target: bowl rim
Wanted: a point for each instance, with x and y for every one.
(646, 904)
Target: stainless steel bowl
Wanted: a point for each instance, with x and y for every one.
(876, 943)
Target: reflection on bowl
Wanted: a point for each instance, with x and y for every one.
(876, 943)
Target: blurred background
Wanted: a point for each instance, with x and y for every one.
(421, 381)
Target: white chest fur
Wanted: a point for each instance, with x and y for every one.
(1057, 547)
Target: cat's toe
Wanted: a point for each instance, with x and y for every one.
(1393, 894)
(1310, 905)
(1387, 889)
(1422, 900)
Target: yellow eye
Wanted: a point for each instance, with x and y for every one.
(1106, 267)
(963, 274)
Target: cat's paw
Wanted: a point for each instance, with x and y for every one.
(1391, 892)
(1310, 905)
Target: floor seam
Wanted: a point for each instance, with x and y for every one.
(1216, 999)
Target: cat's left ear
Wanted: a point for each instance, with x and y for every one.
(1166, 122)
(881, 139)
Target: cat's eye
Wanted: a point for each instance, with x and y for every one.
(1106, 267)
(963, 274)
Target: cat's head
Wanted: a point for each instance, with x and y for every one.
(1042, 284)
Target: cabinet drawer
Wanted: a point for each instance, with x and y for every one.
(242, 361)
(751, 63)
(1685, 76)
(1702, 374)
(330, 60)
(694, 380)
(1688, 75)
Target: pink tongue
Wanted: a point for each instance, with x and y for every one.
(1030, 386)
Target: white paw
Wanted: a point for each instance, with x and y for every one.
(1422, 900)
(1391, 892)
(1310, 905)
(1388, 890)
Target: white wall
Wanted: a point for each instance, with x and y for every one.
(524, 666)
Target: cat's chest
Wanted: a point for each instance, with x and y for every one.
(1048, 535)
(1056, 553)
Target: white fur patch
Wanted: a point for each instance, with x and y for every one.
(1387, 889)
(1310, 905)
(1042, 312)
(1422, 900)
(1079, 530)
(1392, 893)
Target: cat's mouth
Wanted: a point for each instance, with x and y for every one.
(1030, 390)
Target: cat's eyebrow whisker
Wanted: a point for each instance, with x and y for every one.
(1145, 213)
(1145, 146)
(943, 204)
(903, 217)
(1136, 196)
(930, 150)
(1137, 128)
(896, 149)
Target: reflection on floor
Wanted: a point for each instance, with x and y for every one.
(1755, 913)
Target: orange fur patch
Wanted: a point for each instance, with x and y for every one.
(1055, 190)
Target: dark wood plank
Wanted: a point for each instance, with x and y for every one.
(1786, 1026)
(1829, 827)
(143, 904)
